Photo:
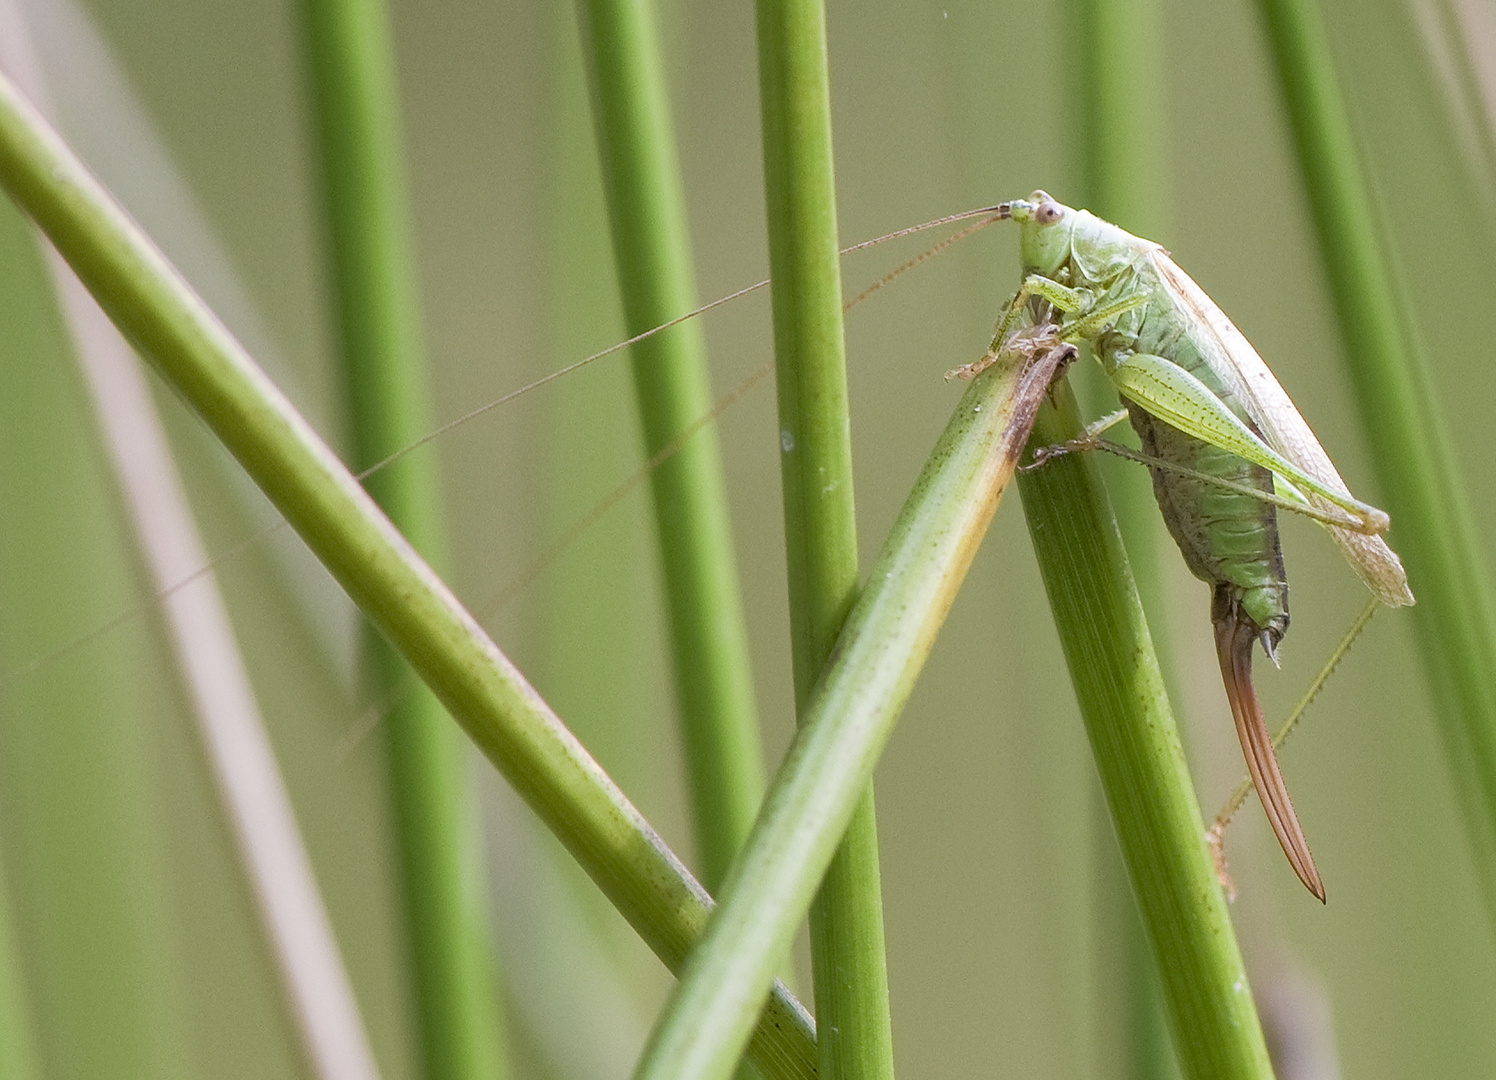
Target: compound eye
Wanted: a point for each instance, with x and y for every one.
(1049, 212)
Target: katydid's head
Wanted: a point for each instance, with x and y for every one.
(1045, 243)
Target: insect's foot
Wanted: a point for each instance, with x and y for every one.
(1028, 344)
(1045, 454)
(967, 372)
(1215, 839)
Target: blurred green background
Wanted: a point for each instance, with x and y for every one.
(139, 949)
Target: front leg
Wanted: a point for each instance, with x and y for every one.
(1063, 298)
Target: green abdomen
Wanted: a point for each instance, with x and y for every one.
(1229, 539)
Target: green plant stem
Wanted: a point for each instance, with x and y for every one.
(18, 1054)
(1455, 618)
(1124, 107)
(451, 950)
(1123, 102)
(709, 639)
(1138, 757)
(172, 328)
(846, 724)
(1124, 110)
(820, 526)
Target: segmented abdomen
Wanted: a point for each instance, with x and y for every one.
(1229, 539)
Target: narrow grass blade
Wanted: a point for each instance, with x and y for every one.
(847, 721)
(1124, 109)
(1142, 768)
(373, 294)
(820, 526)
(709, 639)
(1125, 147)
(1455, 618)
(512, 725)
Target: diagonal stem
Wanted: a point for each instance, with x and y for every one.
(171, 327)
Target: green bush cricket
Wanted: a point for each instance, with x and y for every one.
(1223, 441)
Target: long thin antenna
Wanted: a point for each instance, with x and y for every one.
(370, 717)
(993, 213)
(998, 212)
(930, 252)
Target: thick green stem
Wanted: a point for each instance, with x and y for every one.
(709, 639)
(374, 296)
(172, 328)
(1455, 618)
(847, 720)
(1139, 759)
(820, 527)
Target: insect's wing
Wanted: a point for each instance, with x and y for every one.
(1237, 364)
